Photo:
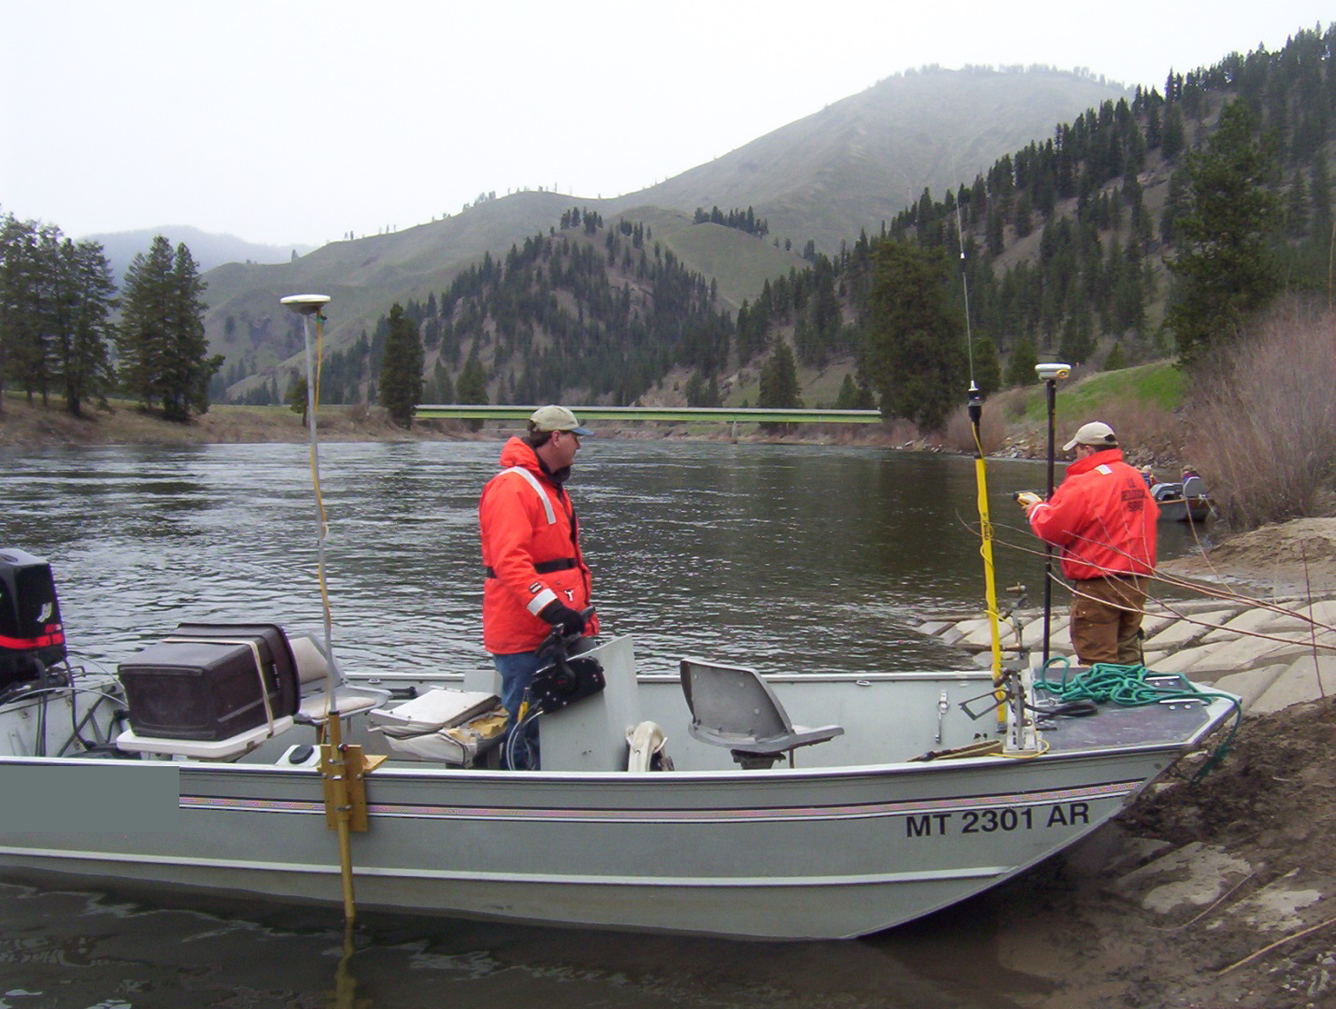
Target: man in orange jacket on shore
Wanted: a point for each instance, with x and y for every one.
(1103, 517)
(536, 576)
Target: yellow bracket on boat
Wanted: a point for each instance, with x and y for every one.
(345, 785)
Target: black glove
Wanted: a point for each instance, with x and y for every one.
(571, 622)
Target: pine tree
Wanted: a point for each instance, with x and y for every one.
(84, 331)
(161, 342)
(1173, 138)
(987, 368)
(472, 385)
(994, 231)
(699, 392)
(1020, 369)
(21, 353)
(442, 387)
(401, 368)
(299, 396)
(779, 382)
(1227, 270)
(1076, 345)
(1024, 215)
(915, 351)
(1175, 206)
(56, 298)
(853, 396)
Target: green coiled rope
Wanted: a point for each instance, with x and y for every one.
(1126, 686)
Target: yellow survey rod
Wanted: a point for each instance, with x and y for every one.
(341, 766)
(986, 550)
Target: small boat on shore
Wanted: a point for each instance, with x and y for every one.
(1183, 502)
(678, 804)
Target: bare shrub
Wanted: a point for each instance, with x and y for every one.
(1145, 431)
(959, 431)
(901, 431)
(1263, 435)
(1012, 403)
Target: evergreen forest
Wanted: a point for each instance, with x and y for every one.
(59, 334)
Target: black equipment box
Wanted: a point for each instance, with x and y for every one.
(202, 683)
(31, 633)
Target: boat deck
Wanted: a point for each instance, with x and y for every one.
(1166, 722)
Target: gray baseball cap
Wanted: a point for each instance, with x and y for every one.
(557, 418)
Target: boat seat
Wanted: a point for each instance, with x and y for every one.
(733, 707)
(1194, 486)
(312, 674)
(203, 749)
(451, 726)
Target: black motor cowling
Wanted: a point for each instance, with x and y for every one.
(31, 633)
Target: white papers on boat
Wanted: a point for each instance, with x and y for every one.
(451, 726)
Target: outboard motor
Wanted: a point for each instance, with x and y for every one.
(31, 634)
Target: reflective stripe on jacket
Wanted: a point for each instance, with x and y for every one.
(1103, 517)
(527, 527)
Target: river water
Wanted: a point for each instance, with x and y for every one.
(786, 557)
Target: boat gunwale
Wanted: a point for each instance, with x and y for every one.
(624, 778)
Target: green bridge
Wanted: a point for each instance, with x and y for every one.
(674, 414)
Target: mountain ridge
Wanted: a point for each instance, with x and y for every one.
(209, 249)
(854, 168)
(822, 180)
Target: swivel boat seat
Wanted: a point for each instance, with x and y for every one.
(733, 707)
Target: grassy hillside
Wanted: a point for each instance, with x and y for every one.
(739, 262)
(1158, 385)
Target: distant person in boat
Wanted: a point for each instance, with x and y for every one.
(1148, 475)
(1189, 473)
(1103, 517)
(536, 577)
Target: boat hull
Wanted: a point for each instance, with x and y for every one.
(1181, 510)
(795, 854)
(859, 837)
(1175, 506)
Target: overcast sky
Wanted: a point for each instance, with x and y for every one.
(298, 122)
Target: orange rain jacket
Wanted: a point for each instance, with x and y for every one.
(1103, 517)
(531, 552)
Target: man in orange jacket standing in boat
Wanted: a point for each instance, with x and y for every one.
(1103, 517)
(536, 577)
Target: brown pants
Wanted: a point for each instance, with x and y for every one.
(1106, 619)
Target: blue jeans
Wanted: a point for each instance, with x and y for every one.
(517, 671)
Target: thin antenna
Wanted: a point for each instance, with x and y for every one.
(969, 337)
(335, 767)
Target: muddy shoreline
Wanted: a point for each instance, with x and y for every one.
(1210, 893)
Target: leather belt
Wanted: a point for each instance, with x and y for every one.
(542, 567)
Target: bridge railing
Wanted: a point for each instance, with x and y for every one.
(676, 414)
